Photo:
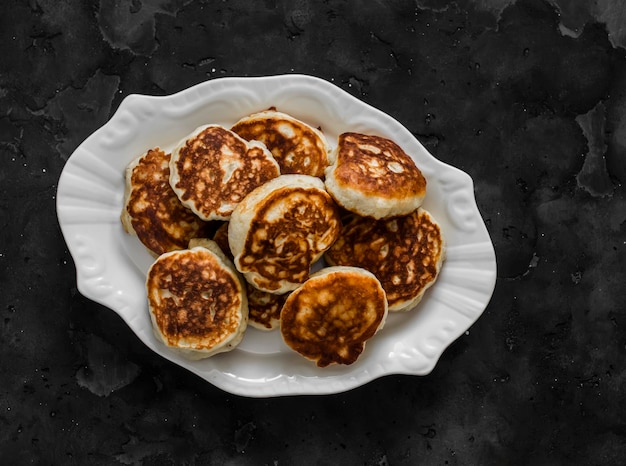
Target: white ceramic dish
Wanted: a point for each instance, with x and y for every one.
(111, 265)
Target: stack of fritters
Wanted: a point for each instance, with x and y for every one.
(386, 232)
(272, 191)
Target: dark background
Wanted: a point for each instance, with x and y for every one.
(528, 97)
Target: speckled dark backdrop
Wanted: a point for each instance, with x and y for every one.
(528, 97)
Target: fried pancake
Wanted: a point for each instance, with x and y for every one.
(331, 316)
(197, 301)
(263, 307)
(373, 177)
(280, 229)
(405, 253)
(152, 211)
(297, 146)
(213, 169)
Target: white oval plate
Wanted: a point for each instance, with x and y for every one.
(111, 265)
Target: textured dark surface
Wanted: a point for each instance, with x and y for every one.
(528, 97)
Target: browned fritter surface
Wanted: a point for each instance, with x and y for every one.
(158, 218)
(193, 298)
(378, 166)
(296, 148)
(283, 248)
(401, 252)
(329, 319)
(202, 167)
(263, 307)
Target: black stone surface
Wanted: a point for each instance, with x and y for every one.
(528, 97)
